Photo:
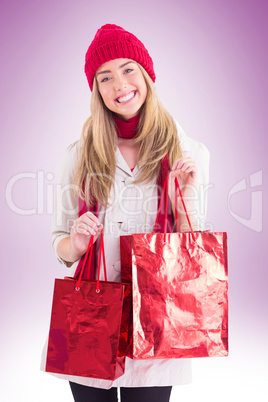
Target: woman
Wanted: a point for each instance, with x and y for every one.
(127, 146)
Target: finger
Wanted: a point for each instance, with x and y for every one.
(75, 226)
(188, 167)
(86, 225)
(98, 229)
(176, 164)
(80, 226)
(92, 223)
(85, 229)
(93, 217)
(185, 165)
(185, 169)
(75, 229)
(179, 162)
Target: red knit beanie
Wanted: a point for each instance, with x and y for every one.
(113, 42)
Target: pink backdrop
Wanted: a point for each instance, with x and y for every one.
(211, 65)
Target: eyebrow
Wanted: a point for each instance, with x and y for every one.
(109, 71)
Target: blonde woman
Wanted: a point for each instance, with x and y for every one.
(115, 172)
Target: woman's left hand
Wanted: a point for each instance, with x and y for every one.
(185, 170)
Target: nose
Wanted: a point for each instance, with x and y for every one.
(120, 83)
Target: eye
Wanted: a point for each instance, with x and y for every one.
(105, 79)
(128, 70)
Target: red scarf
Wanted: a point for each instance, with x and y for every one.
(127, 129)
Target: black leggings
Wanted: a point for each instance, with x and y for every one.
(82, 393)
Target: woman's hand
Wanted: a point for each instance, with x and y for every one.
(185, 170)
(81, 231)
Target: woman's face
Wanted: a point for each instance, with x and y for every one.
(122, 87)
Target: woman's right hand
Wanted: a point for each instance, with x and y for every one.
(83, 228)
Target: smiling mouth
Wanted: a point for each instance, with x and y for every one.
(126, 98)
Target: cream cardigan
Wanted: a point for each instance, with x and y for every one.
(133, 210)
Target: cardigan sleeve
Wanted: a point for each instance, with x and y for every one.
(66, 202)
(201, 156)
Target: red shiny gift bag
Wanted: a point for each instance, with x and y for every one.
(179, 292)
(89, 326)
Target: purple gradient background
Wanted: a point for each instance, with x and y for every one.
(211, 64)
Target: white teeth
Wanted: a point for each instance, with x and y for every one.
(126, 98)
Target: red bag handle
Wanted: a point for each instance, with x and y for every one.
(165, 193)
(101, 252)
(90, 252)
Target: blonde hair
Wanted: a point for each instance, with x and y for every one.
(157, 136)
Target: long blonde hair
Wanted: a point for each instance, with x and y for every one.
(157, 136)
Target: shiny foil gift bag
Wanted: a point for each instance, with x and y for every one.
(179, 294)
(89, 326)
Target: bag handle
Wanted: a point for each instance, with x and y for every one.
(165, 193)
(101, 252)
(90, 252)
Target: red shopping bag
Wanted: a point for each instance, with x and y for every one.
(179, 292)
(89, 325)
